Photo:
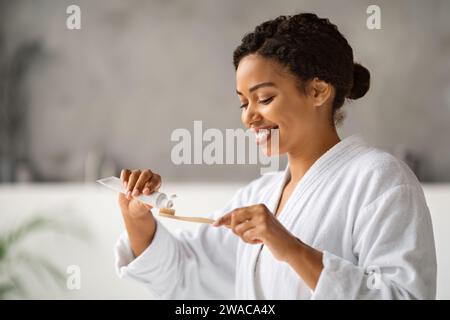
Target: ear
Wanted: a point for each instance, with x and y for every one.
(320, 91)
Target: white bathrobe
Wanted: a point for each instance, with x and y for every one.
(364, 209)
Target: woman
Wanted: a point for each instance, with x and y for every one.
(343, 221)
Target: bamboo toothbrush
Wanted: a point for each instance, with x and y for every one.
(170, 213)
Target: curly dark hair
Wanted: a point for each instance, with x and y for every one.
(309, 47)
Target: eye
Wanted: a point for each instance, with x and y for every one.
(266, 101)
(243, 105)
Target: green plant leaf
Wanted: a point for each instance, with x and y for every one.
(27, 228)
(12, 286)
(42, 267)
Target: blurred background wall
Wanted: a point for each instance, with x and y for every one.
(109, 95)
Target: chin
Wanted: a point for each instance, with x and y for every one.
(268, 152)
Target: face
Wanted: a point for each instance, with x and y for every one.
(271, 98)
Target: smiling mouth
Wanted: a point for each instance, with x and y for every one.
(263, 133)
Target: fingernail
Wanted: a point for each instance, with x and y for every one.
(128, 195)
(146, 190)
(135, 192)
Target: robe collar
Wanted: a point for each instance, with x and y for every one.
(335, 157)
(327, 164)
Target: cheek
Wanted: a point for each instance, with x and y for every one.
(292, 121)
(293, 113)
(283, 114)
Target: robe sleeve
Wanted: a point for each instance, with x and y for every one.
(394, 245)
(185, 265)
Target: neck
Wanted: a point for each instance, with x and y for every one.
(301, 159)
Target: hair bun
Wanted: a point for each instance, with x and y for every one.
(361, 82)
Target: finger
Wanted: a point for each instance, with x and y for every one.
(241, 228)
(233, 218)
(224, 220)
(153, 185)
(124, 175)
(132, 182)
(251, 236)
(245, 213)
(146, 190)
(145, 176)
(240, 215)
(144, 205)
(123, 202)
(228, 226)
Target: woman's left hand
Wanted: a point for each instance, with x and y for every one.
(256, 224)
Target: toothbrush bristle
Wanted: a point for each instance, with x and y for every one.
(167, 211)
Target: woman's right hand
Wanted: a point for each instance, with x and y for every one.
(139, 221)
(137, 182)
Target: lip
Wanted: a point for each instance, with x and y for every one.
(256, 129)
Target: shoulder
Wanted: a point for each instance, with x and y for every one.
(375, 163)
(377, 172)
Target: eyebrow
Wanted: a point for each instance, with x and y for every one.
(260, 85)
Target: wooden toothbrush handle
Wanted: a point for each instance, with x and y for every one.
(190, 219)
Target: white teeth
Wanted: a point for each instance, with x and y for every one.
(262, 134)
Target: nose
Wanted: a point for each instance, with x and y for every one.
(250, 115)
